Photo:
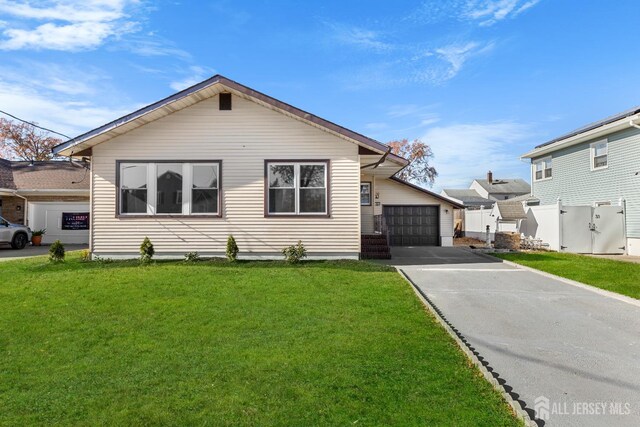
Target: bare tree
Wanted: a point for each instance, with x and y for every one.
(25, 142)
(419, 154)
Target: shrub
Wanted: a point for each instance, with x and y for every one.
(41, 232)
(146, 251)
(295, 253)
(232, 248)
(56, 252)
(191, 257)
(85, 255)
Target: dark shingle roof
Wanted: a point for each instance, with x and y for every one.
(469, 197)
(49, 175)
(594, 125)
(505, 186)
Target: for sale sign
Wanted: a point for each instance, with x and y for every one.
(75, 220)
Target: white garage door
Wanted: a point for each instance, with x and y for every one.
(64, 221)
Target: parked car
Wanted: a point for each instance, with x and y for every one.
(17, 235)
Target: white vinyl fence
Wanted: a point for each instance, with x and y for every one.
(476, 221)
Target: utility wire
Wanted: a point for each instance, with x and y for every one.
(35, 125)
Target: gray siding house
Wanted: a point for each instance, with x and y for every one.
(596, 165)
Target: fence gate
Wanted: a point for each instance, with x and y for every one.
(575, 223)
(607, 229)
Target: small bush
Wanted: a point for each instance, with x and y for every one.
(56, 252)
(102, 260)
(191, 257)
(232, 249)
(295, 253)
(85, 255)
(146, 251)
(36, 233)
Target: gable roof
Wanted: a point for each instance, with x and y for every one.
(203, 90)
(428, 192)
(593, 130)
(48, 175)
(468, 197)
(510, 210)
(505, 186)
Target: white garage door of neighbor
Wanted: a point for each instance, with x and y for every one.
(50, 216)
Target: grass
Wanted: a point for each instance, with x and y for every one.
(616, 276)
(262, 343)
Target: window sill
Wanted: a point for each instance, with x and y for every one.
(290, 216)
(600, 168)
(136, 216)
(542, 179)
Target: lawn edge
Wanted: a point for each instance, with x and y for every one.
(518, 406)
(585, 286)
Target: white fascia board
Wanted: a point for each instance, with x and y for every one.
(582, 137)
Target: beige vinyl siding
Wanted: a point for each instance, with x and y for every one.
(394, 193)
(242, 139)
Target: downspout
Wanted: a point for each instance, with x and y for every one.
(379, 162)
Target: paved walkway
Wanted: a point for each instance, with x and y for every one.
(7, 253)
(545, 338)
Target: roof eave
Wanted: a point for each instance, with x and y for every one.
(600, 131)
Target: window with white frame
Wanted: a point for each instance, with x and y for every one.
(168, 188)
(296, 188)
(365, 194)
(542, 169)
(599, 154)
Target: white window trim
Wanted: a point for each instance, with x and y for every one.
(296, 187)
(152, 188)
(592, 154)
(368, 183)
(544, 178)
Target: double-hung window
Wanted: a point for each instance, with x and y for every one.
(365, 194)
(599, 154)
(297, 188)
(542, 169)
(168, 188)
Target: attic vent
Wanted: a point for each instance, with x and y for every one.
(225, 101)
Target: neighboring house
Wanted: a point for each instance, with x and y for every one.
(220, 158)
(500, 189)
(595, 166)
(470, 199)
(51, 195)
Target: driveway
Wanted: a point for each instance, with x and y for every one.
(545, 338)
(7, 253)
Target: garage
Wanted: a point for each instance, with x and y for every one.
(64, 221)
(413, 225)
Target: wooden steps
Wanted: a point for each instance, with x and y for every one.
(374, 246)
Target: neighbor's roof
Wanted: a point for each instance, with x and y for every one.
(593, 130)
(198, 92)
(48, 175)
(468, 197)
(594, 125)
(510, 210)
(505, 186)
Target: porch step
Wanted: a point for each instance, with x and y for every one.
(374, 246)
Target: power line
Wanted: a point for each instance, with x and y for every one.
(35, 125)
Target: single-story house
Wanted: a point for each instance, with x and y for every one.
(220, 159)
(49, 195)
(592, 174)
(500, 189)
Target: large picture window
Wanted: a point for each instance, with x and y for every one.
(297, 188)
(168, 188)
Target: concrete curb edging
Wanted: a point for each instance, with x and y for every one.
(575, 283)
(518, 406)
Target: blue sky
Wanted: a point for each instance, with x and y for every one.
(482, 81)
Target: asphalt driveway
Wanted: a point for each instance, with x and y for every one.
(573, 351)
(8, 253)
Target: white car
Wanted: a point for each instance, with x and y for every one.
(17, 235)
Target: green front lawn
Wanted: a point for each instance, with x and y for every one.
(616, 276)
(331, 343)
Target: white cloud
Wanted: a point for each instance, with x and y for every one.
(496, 146)
(196, 75)
(359, 37)
(69, 25)
(488, 12)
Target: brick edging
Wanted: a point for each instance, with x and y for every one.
(518, 406)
